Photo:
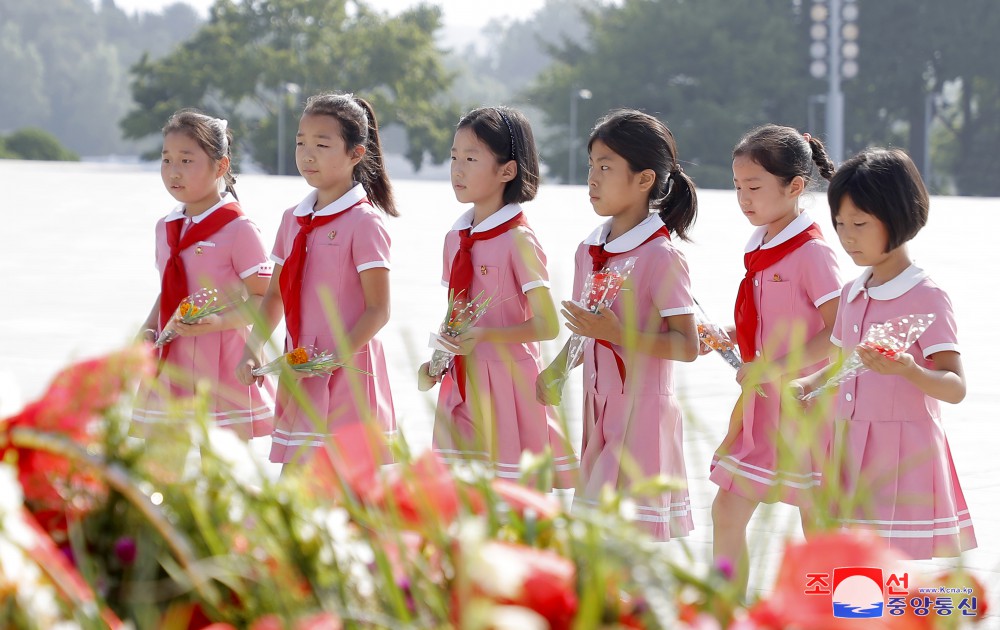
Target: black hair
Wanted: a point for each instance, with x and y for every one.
(646, 143)
(508, 134)
(212, 135)
(785, 153)
(359, 128)
(886, 184)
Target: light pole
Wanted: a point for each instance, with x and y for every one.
(834, 35)
(286, 90)
(576, 94)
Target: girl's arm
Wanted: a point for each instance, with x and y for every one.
(375, 286)
(269, 314)
(946, 381)
(148, 330)
(679, 343)
(543, 325)
(546, 391)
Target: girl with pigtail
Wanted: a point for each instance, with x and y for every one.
(785, 311)
(204, 244)
(331, 280)
(632, 420)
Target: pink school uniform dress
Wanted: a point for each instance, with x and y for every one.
(331, 299)
(889, 438)
(636, 423)
(499, 417)
(769, 460)
(222, 262)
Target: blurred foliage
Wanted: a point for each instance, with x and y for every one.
(35, 144)
(64, 66)
(251, 55)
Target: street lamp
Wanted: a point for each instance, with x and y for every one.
(834, 34)
(288, 89)
(576, 94)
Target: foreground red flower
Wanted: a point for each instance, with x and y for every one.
(790, 606)
(55, 488)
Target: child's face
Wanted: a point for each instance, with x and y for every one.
(763, 197)
(863, 236)
(190, 175)
(321, 154)
(614, 187)
(476, 176)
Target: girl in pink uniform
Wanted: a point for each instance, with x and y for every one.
(331, 279)
(205, 243)
(632, 421)
(785, 310)
(486, 407)
(895, 465)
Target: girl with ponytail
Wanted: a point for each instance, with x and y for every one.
(632, 420)
(205, 243)
(331, 280)
(785, 311)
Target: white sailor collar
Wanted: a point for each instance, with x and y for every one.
(798, 225)
(906, 280)
(502, 215)
(178, 212)
(345, 201)
(627, 241)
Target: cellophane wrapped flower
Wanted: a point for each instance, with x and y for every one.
(889, 339)
(716, 338)
(463, 314)
(310, 361)
(600, 288)
(193, 308)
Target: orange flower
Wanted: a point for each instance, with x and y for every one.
(187, 308)
(297, 356)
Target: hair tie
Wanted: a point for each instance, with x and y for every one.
(510, 129)
(222, 125)
(807, 137)
(677, 169)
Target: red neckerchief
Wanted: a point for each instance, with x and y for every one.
(600, 258)
(290, 280)
(173, 285)
(755, 262)
(460, 280)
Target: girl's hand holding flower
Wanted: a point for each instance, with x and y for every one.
(885, 361)
(424, 379)
(467, 341)
(208, 324)
(603, 324)
(547, 387)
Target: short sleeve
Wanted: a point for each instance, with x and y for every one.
(249, 255)
(283, 240)
(528, 261)
(942, 335)
(370, 243)
(158, 244)
(671, 291)
(837, 334)
(820, 273)
(580, 272)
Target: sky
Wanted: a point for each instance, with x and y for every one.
(471, 14)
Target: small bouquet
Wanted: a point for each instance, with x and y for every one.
(888, 339)
(716, 337)
(309, 361)
(462, 315)
(600, 289)
(194, 307)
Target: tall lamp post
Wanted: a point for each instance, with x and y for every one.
(834, 51)
(576, 94)
(287, 89)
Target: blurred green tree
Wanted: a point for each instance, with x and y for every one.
(253, 55)
(711, 70)
(937, 58)
(36, 144)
